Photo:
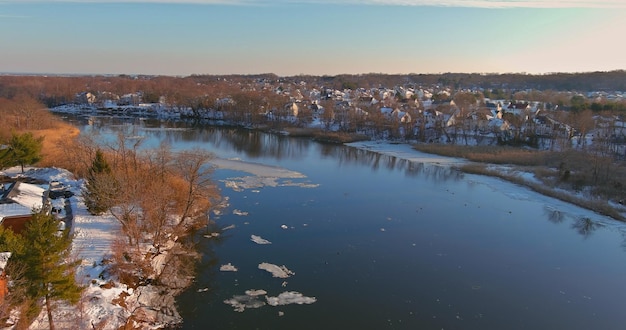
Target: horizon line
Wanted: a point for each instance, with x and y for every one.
(8, 73)
(485, 4)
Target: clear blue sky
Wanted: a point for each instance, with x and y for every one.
(290, 37)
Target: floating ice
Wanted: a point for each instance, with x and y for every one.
(259, 240)
(277, 271)
(254, 293)
(228, 268)
(229, 227)
(283, 226)
(256, 168)
(241, 302)
(290, 297)
(239, 212)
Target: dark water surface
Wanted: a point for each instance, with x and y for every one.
(384, 243)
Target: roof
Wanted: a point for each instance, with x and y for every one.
(20, 199)
(27, 195)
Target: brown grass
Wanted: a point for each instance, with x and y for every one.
(54, 139)
(325, 136)
(488, 154)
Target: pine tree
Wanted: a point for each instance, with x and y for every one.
(21, 149)
(49, 272)
(12, 243)
(101, 185)
(100, 164)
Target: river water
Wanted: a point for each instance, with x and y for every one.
(386, 243)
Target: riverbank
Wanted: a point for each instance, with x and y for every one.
(515, 165)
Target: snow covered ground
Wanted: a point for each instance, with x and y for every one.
(93, 239)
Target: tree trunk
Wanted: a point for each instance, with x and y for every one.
(49, 310)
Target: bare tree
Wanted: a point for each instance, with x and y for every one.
(193, 201)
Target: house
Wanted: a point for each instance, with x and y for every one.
(18, 200)
(292, 109)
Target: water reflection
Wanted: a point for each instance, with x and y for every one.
(252, 144)
(554, 215)
(585, 226)
(378, 161)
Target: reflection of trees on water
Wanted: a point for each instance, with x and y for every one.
(585, 226)
(376, 161)
(253, 144)
(256, 144)
(554, 215)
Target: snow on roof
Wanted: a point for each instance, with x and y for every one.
(12, 210)
(27, 195)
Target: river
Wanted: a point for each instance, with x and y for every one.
(381, 242)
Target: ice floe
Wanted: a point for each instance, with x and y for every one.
(229, 227)
(239, 212)
(259, 240)
(241, 302)
(277, 271)
(251, 300)
(254, 293)
(228, 268)
(256, 168)
(290, 297)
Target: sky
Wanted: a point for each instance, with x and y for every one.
(316, 37)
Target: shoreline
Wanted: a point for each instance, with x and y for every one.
(511, 173)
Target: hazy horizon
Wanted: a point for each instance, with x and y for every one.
(311, 37)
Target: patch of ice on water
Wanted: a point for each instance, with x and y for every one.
(228, 268)
(283, 226)
(254, 293)
(228, 227)
(290, 297)
(239, 212)
(241, 302)
(259, 240)
(277, 271)
(255, 182)
(256, 168)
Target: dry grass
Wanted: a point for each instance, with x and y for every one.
(55, 138)
(339, 137)
(489, 154)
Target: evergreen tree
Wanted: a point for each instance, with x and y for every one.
(49, 273)
(21, 149)
(99, 164)
(12, 243)
(101, 186)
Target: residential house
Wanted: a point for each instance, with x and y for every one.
(18, 200)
